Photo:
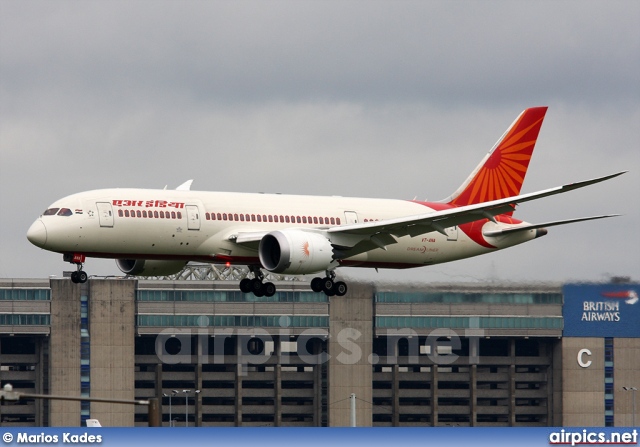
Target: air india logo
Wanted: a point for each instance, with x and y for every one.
(305, 249)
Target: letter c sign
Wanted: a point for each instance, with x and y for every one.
(581, 361)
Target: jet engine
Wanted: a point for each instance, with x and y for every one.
(145, 267)
(295, 252)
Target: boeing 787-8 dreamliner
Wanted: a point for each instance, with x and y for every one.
(156, 232)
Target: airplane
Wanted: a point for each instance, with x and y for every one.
(154, 232)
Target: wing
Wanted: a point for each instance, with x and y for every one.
(353, 239)
(350, 240)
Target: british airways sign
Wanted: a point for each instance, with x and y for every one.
(601, 310)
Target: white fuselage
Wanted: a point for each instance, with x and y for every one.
(200, 226)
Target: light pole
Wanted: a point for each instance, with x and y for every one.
(195, 404)
(169, 396)
(186, 407)
(633, 390)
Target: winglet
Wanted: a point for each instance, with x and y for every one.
(186, 186)
(501, 172)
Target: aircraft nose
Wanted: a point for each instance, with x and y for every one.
(37, 234)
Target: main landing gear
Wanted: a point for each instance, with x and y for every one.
(79, 276)
(329, 285)
(256, 285)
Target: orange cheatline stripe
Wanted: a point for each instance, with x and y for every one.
(488, 186)
(520, 134)
(475, 185)
(504, 189)
(515, 166)
(518, 147)
(507, 179)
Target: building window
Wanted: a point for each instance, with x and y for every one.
(608, 382)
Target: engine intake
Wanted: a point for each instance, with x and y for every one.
(295, 252)
(145, 267)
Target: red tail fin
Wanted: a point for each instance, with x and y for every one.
(501, 173)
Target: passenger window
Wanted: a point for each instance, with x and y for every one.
(155, 214)
(126, 213)
(298, 219)
(241, 217)
(235, 217)
(287, 219)
(207, 216)
(173, 214)
(259, 218)
(315, 220)
(120, 213)
(139, 213)
(50, 212)
(144, 213)
(333, 221)
(304, 219)
(253, 218)
(179, 215)
(270, 218)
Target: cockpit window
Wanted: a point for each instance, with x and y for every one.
(51, 212)
(65, 212)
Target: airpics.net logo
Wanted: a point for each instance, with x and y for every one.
(567, 437)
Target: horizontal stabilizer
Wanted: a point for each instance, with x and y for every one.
(543, 225)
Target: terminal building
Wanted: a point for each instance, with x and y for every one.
(435, 355)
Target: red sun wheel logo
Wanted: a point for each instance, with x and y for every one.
(305, 249)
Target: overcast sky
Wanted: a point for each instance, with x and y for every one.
(392, 99)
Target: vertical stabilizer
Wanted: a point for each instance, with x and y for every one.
(501, 172)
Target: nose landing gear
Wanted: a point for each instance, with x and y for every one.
(79, 276)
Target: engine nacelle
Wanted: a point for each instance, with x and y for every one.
(295, 252)
(145, 267)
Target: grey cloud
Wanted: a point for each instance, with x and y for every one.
(374, 99)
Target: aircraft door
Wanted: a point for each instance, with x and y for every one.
(351, 217)
(193, 217)
(452, 233)
(105, 214)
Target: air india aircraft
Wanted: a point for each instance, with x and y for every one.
(153, 232)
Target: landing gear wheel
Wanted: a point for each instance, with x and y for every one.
(316, 284)
(269, 289)
(327, 286)
(340, 288)
(245, 285)
(79, 277)
(256, 286)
